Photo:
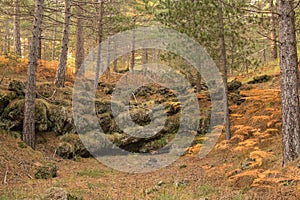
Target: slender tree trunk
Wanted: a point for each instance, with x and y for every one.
(273, 31)
(108, 59)
(29, 112)
(5, 42)
(17, 35)
(115, 64)
(54, 36)
(100, 37)
(157, 57)
(132, 61)
(61, 70)
(145, 60)
(224, 69)
(8, 32)
(145, 56)
(53, 44)
(247, 65)
(289, 80)
(40, 45)
(198, 82)
(79, 57)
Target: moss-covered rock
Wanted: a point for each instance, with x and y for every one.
(5, 98)
(260, 79)
(77, 146)
(65, 150)
(234, 85)
(18, 87)
(55, 193)
(46, 172)
(107, 123)
(13, 115)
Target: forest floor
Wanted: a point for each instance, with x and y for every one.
(249, 166)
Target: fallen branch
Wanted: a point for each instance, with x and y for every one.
(135, 98)
(5, 176)
(54, 154)
(29, 176)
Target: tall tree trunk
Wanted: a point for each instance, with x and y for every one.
(273, 31)
(145, 60)
(40, 45)
(5, 42)
(100, 37)
(198, 82)
(108, 59)
(224, 69)
(17, 35)
(132, 61)
(289, 80)
(145, 56)
(61, 70)
(115, 64)
(29, 112)
(79, 57)
(54, 35)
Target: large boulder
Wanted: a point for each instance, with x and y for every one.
(55, 193)
(46, 172)
(71, 146)
(61, 119)
(260, 79)
(5, 98)
(18, 87)
(234, 85)
(13, 115)
(48, 117)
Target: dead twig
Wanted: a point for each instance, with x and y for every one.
(135, 98)
(29, 176)
(54, 154)
(5, 175)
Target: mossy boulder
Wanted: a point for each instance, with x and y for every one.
(107, 87)
(18, 87)
(13, 115)
(71, 146)
(65, 150)
(236, 98)
(46, 172)
(260, 79)
(106, 122)
(61, 119)
(234, 85)
(55, 193)
(4, 101)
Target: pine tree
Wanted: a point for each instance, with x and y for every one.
(289, 80)
(29, 112)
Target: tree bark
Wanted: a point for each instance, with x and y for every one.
(108, 59)
(17, 35)
(198, 82)
(145, 56)
(132, 60)
(6, 40)
(224, 69)
(100, 37)
(40, 45)
(61, 70)
(273, 31)
(79, 57)
(115, 64)
(54, 35)
(289, 80)
(29, 112)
